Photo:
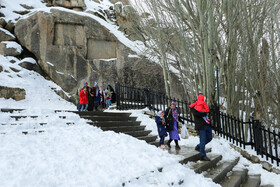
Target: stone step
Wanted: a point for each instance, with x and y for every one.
(219, 173)
(115, 123)
(235, 179)
(10, 110)
(138, 133)
(19, 117)
(37, 131)
(100, 113)
(155, 143)
(110, 118)
(128, 107)
(252, 181)
(190, 155)
(149, 138)
(42, 123)
(201, 166)
(123, 128)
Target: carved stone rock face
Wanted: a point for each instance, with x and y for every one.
(72, 48)
(67, 3)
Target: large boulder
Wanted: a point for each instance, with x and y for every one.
(72, 48)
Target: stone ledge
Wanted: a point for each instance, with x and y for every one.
(254, 159)
(12, 93)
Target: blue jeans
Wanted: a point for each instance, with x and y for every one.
(205, 136)
(79, 107)
(161, 141)
(84, 107)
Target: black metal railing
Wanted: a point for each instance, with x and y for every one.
(264, 140)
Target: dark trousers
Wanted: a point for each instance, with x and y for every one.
(161, 141)
(205, 136)
(176, 141)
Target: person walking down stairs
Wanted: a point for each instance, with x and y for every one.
(161, 128)
(203, 128)
(172, 118)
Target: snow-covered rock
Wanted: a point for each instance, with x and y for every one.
(10, 48)
(5, 35)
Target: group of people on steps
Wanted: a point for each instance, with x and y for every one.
(167, 121)
(92, 98)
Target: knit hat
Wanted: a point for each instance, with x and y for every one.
(159, 113)
(173, 103)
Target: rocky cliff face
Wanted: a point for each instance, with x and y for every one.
(72, 48)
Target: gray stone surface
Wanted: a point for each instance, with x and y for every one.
(10, 26)
(266, 165)
(4, 50)
(128, 20)
(5, 35)
(125, 2)
(68, 3)
(3, 23)
(72, 49)
(13, 93)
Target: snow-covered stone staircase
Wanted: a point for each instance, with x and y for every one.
(219, 171)
(119, 123)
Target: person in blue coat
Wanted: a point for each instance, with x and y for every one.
(161, 128)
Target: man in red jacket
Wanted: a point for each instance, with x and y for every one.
(83, 99)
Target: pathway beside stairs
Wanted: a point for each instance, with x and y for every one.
(219, 171)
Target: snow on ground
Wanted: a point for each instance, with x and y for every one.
(39, 91)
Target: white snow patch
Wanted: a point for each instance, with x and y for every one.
(13, 45)
(50, 64)
(29, 60)
(7, 32)
(133, 56)
(61, 73)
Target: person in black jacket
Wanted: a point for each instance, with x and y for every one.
(172, 118)
(204, 131)
(113, 94)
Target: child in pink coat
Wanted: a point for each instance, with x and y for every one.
(201, 106)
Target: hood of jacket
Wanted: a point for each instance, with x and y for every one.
(200, 97)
